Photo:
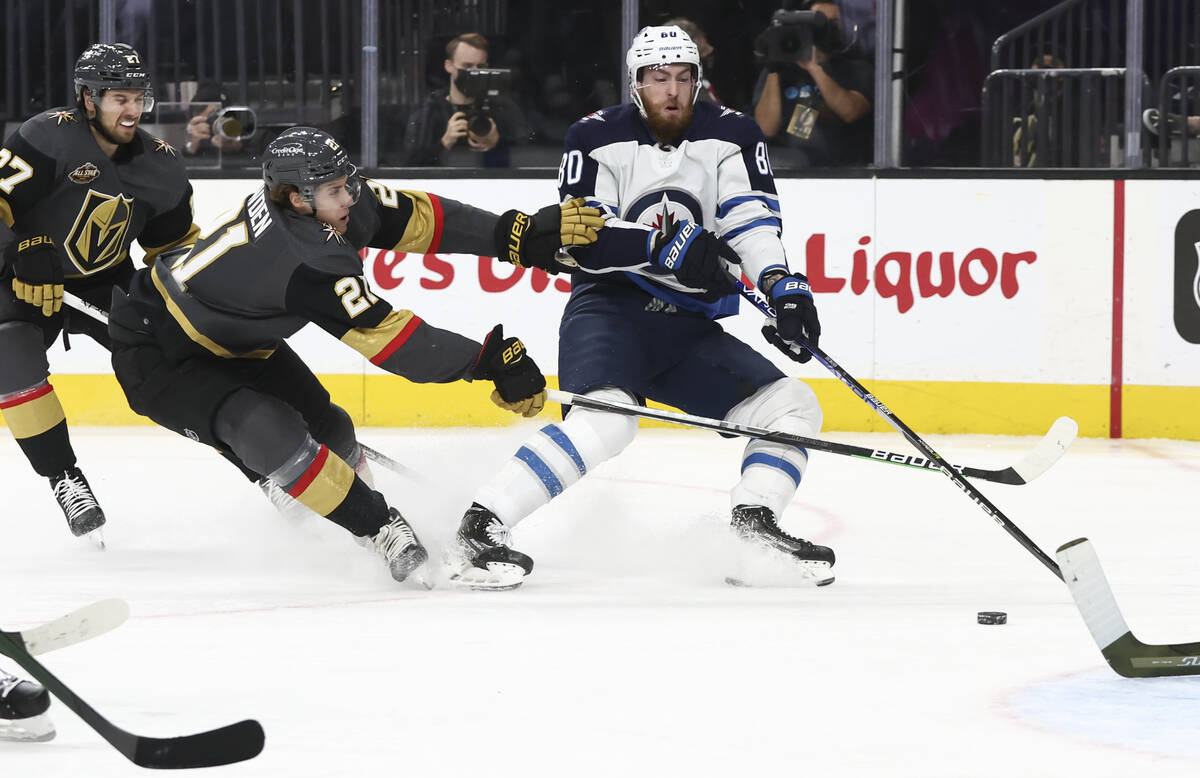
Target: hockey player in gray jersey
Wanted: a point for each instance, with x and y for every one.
(199, 342)
(77, 186)
(687, 190)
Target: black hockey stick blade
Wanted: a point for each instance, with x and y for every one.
(227, 745)
(1048, 450)
(1126, 654)
(234, 743)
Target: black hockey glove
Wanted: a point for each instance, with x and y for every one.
(520, 385)
(795, 317)
(697, 258)
(38, 276)
(532, 241)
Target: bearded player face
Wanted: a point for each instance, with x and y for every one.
(667, 92)
(117, 114)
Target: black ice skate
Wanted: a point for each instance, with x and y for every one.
(23, 706)
(756, 524)
(78, 504)
(484, 560)
(398, 544)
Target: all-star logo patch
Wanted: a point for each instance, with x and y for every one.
(165, 147)
(63, 116)
(331, 232)
(84, 174)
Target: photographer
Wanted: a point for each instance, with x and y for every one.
(814, 95)
(470, 123)
(201, 139)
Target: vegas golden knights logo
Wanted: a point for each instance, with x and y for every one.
(97, 240)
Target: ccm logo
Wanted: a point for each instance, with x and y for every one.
(514, 238)
(680, 241)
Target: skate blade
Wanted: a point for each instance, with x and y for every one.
(497, 577)
(776, 584)
(96, 536)
(35, 729)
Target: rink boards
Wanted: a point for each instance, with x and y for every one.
(986, 306)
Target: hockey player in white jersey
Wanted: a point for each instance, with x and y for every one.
(687, 192)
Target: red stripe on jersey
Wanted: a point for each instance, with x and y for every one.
(311, 473)
(395, 343)
(27, 396)
(439, 220)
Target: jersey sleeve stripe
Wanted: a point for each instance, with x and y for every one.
(380, 342)
(734, 202)
(423, 233)
(769, 221)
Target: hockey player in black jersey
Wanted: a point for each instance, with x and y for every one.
(199, 342)
(77, 186)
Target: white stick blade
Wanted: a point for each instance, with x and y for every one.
(77, 626)
(1049, 449)
(1085, 579)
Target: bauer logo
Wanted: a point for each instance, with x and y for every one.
(1187, 277)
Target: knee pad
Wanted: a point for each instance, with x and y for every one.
(335, 429)
(771, 472)
(596, 435)
(788, 405)
(263, 431)
(24, 365)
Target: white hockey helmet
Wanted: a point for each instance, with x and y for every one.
(656, 46)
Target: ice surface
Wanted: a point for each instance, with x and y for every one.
(624, 653)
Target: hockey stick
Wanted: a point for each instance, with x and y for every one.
(234, 743)
(79, 625)
(936, 461)
(1048, 450)
(1126, 654)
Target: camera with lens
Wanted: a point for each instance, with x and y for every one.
(791, 35)
(482, 85)
(235, 122)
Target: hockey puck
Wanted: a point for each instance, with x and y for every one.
(992, 617)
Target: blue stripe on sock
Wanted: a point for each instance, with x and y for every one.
(561, 440)
(541, 470)
(779, 463)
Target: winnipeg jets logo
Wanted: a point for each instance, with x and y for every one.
(63, 116)
(729, 111)
(332, 233)
(662, 209)
(594, 115)
(165, 147)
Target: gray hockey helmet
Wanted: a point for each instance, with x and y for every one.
(104, 66)
(306, 157)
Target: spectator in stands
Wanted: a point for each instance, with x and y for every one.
(451, 127)
(706, 55)
(1042, 101)
(201, 140)
(819, 109)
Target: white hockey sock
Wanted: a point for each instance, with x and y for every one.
(555, 458)
(771, 472)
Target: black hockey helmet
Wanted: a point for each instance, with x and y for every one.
(104, 66)
(306, 157)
